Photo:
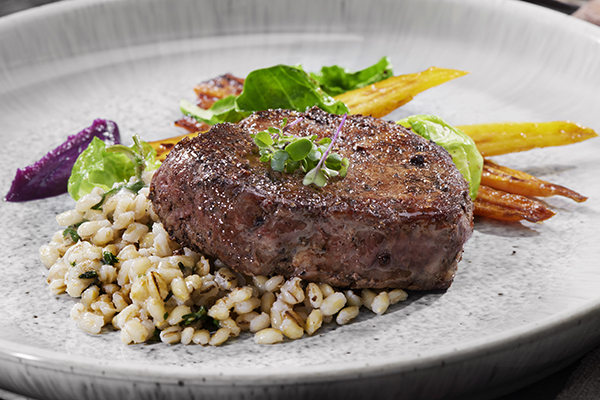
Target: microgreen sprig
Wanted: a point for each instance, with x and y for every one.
(288, 153)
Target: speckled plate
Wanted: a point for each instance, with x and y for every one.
(526, 299)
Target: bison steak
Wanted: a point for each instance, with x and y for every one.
(399, 219)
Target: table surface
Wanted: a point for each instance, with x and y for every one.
(578, 381)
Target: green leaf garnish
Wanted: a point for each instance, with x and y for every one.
(336, 80)
(103, 167)
(289, 153)
(280, 86)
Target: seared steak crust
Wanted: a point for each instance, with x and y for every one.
(399, 219)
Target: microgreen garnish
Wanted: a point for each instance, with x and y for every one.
(288, 153)
(89, 275)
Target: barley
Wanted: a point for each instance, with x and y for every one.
(58, 270)
(75, 284)
(380, 303)
(267, 301)
(88, 201)
(89, 228)
(103, 236)
(89, 295)
(124, 199)
(314, 321)
(247, 306)
(244, 320)
(347, 314)
(119, 300)
(103, 305)
(69, 218)
(57, 286)
(397, 295)
(291, 329)
(147, 241)
(179, 289)
(134, 331)
(125, 315)
(162, 247)
(353, 299)
(274, 283)
(139, 290)
(128, 252)
(333, 303)
(49, 255)
(123, 220)
(259, 283)
(187, 335)
(314, 295)
(260, 322)
(140, 207)
(230, 324)
(292, 292)
(167, 272)
(157, 286)
(225, 279)
(135, 232)
(268, 336)
(368, 295)
(156, 308)
(90, 322)
(219, 337)
(201, 336)
(218, 312)
(326, 289)
(193, 282)
(176, 314)
(171, 335)
(239, 295)
(203, 267)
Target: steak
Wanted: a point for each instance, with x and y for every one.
(399, 219)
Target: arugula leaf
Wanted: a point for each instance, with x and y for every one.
(280, 86)
(461, 147)
(98, 167)
(336, 80)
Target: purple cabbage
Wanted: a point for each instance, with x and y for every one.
(49, 176)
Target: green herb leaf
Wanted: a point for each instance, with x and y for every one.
(336, 80)
(109, 259)
(72, 233)
(189, 319)
(280, 86)
(89, 275)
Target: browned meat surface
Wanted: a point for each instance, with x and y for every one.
(399, 219)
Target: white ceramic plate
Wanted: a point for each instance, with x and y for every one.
(525, 300)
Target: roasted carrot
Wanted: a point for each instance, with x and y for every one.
(510, 137)
(383, 97)
(519, 182)
(504, 206)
